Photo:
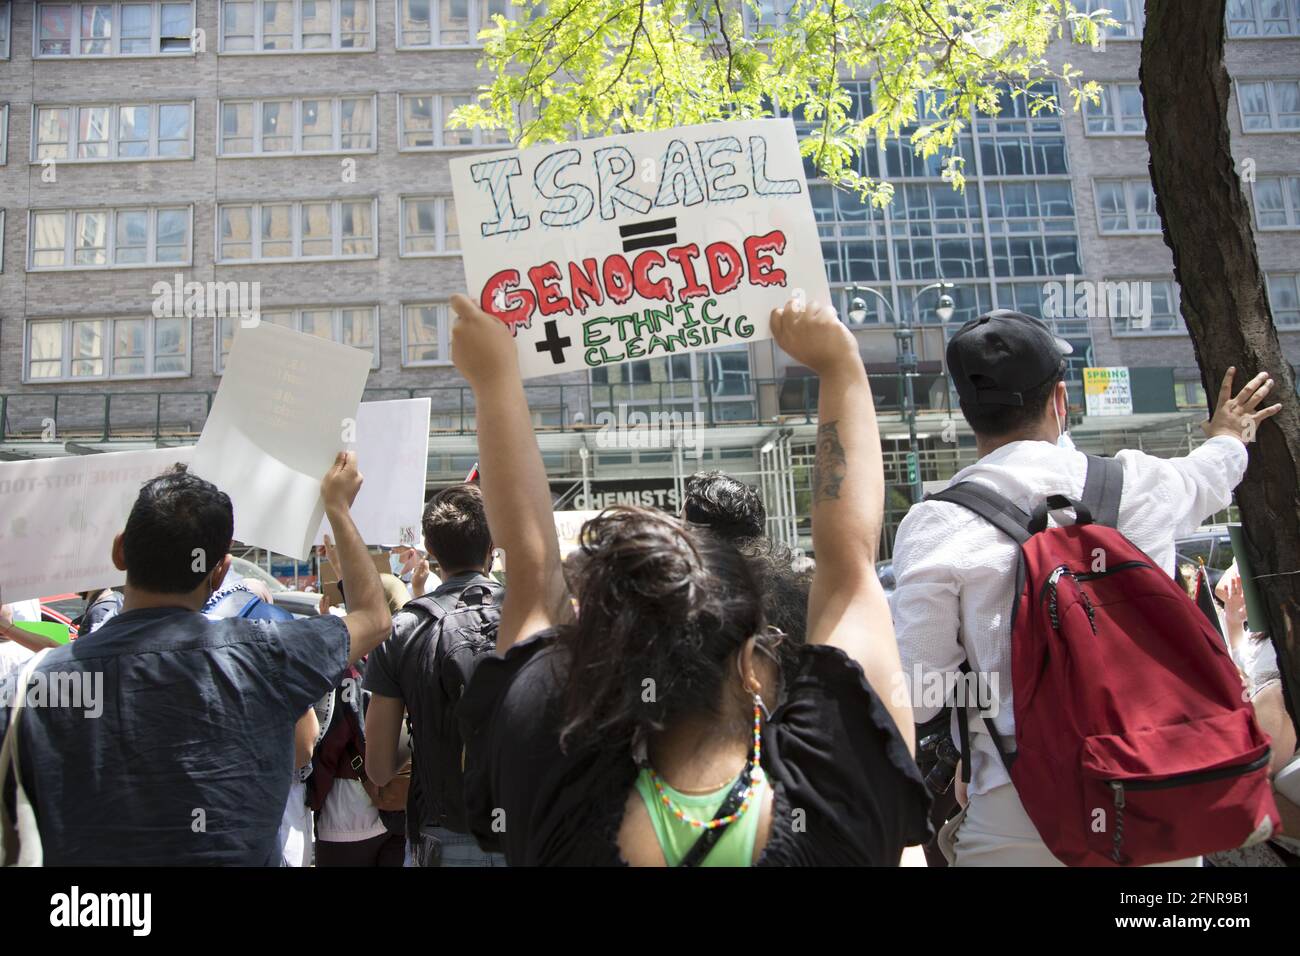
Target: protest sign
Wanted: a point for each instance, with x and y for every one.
(393, 455)
(56, 631)
(1107, 391)
(639, 246)
(286, 407)
(58, 518)
(568, 529)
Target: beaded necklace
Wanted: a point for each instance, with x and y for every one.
(752, 768)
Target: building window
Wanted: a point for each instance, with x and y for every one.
(429, 226)
(284, 231)
(719, 382)
(97, 348)
(1032, 229)
(127, 132)
(728, 371)
(296, 26)
(853, 235)
(764, 14)
(303, 126)
(5, 9)
(108, 238)
(1269, 105)
(423, 121)
(4, 133)
(1284, 299)
(937, 231)
(425, 334)
(969, 300)
(1125, 302)
(113, 29)
(1263, 18)
(430, 23)
(1016, 142)
(355, 325)
(1277, 202)
(1126, 206)
(1128, 14)
(1119, 113)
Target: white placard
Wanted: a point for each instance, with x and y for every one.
(286, 407)
(393, 457)
(59, 516)
(639, 246)
(568, 529)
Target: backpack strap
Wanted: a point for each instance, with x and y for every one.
(480, 593)
(1016, 524)
(1102, 488)
(436, 606)
(707, 840)
(989, 505)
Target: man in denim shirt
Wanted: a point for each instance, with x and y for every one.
(178, 750)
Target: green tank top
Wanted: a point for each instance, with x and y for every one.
(676, 837)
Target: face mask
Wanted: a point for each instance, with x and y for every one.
(395, 565)
(1063, 439)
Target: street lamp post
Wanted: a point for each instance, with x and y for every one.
(907, 362)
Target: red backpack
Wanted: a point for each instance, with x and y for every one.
(1134, 741)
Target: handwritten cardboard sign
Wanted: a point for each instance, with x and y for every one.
(640, 246)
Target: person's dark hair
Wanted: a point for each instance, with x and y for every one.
(996, 421)
(456, 529)
(662, 608)
(176, 519)
(785, 590)
(728, 507)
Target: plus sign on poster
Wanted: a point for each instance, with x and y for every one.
(639, 246)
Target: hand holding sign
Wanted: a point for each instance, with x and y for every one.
(482, 349)
(341, 483)
(814, 336)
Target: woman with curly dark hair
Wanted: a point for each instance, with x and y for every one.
(644, 732)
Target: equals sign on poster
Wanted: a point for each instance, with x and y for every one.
(642, 235)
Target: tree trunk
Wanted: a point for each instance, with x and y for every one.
(1207, 224)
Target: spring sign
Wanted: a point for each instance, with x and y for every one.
(639, 246)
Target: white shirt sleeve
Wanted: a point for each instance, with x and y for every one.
(1180, 493)
(925, 603)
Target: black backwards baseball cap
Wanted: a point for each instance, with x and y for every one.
(997, 357)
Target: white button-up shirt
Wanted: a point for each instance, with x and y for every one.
(955, 572)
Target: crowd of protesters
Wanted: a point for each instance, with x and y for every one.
(680, 691)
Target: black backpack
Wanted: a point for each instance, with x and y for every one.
(441, 658)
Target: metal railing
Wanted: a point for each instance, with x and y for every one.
(45, 416)
(36, 416)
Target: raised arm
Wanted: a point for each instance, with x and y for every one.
(847, 607)
(367, 620)
(515, 493)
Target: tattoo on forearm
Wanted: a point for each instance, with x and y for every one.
(828, 472)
